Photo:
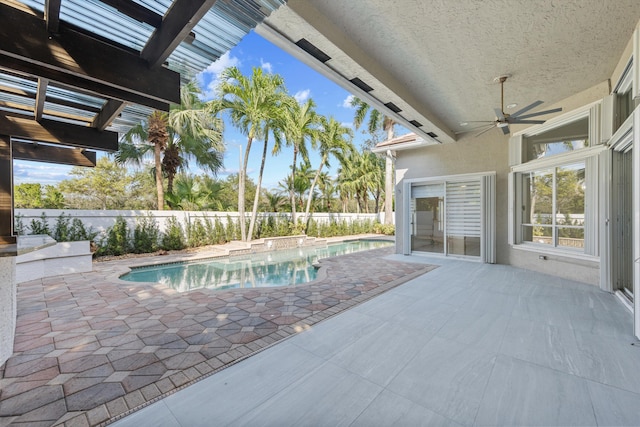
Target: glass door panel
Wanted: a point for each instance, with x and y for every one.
(427, 221)
(463, 212)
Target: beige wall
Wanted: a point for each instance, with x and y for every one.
(489, 153)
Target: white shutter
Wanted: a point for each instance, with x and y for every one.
(488, 253)
(463, 209)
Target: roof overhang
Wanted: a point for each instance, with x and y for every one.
(431, 65)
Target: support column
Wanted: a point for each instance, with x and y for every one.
(8, 262)
(6, 192)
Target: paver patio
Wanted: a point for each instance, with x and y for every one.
(89, 349)
(466, 344)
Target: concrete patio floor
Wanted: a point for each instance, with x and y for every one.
(464, 344)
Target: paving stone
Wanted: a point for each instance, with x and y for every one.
(28, 401)
(165, 385)
(117, 407)
(78, 421)
(30, 367)
(135, 382)
(96, 395)
(98, 415)
(134, 399)
(150, 391)
(84, 363)
(133, 362)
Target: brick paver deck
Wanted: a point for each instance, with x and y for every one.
(90, 349)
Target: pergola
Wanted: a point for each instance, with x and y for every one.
(75, 73)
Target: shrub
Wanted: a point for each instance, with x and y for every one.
(196, 233)
(117, 240)
(145, 235)
(62, 228)
(386, 229)
(40, 226)
(173, 237)
(19, 227)
(78, 231)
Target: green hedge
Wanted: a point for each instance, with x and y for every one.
(146, 237)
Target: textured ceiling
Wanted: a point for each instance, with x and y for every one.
(441, 56)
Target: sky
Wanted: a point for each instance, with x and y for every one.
(253, 51)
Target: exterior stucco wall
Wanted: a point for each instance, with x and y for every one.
(489, 153)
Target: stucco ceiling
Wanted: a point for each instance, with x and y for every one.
(437, 59)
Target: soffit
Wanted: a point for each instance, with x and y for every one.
(439, 58)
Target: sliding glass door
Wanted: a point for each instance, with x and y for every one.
(449, 217)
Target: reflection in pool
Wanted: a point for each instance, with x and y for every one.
(267, 269)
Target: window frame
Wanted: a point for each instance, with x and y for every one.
(588, 155)
(554, 226)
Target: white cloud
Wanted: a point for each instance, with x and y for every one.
(266, 66)
(347, 102)
(214, 70)
(347, 124)
(302, 95)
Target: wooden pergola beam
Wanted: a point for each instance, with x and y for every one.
(177, 23)
(50, 154)
(136, 11)
(52, 15)
(6, 191)
(41, 96)
(111, 109)
(56, 132)
(81, 61)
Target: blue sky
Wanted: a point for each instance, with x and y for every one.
(253, 51)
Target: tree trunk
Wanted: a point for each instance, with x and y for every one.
(159, 184)
(242, 175)
(256, 199)
(292, 190)
(313, 185)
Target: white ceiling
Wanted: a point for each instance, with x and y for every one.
(437, 59)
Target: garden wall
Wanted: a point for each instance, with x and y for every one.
(100, 220)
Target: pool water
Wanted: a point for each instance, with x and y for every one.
(278, 268)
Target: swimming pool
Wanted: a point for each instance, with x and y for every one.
(267, 269)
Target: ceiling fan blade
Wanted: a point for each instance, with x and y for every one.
(505, 130)
(499, 114)
(527, 108)
(539, 113)
(484, 131)
(526, 122)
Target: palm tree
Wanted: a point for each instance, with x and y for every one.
(251, 103)
(378, 121)
(189, 194)
(189, 130)
(298, 126)
(335, 140)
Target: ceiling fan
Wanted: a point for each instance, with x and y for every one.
(503, 120)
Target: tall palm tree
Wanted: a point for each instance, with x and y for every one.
(188, 130)
(251, 102)
(299, 126)
(335, 140)
(378, 121)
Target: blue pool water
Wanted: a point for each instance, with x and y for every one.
(278, 268)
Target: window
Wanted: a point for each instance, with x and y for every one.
(570, 137)
(554, 192)
(554, 206)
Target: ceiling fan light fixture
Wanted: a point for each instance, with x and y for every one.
(502, 125)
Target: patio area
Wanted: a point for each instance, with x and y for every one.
(90, 348)
(464, 344)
